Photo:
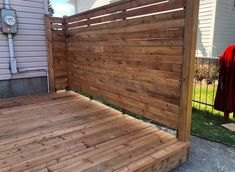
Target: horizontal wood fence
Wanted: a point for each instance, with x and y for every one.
(57, 50)
(134, 54)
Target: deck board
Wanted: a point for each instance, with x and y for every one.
(68, 132)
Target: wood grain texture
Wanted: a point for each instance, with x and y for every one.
(135, 61)
(68, 132)
(50, 53)
(190, 40)
(136, 54)
(58, 48)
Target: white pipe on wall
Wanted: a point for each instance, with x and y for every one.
(12, 60)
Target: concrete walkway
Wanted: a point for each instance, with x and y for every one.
(206, 156)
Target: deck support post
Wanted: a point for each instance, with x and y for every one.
(190, 37)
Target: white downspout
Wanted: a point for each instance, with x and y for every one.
(12, 60)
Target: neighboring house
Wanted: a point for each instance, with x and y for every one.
(30, 50)
(216, 27)
(216, 23)
(84, 5)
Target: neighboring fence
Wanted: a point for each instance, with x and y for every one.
(205, 83)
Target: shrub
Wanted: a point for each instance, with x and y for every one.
(206, 70)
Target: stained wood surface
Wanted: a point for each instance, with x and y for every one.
(130, 56)
(190, 40)
(60, 61)
(137, 54)
(50, 60)
(57, 49)
(68, 132)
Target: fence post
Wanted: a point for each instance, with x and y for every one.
(50, 54)
(190, 37)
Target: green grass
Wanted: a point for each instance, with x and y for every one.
(208, 126)
(206, 121)
(207, 95)
(204, 94)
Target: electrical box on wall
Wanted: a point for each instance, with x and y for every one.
(9, 21)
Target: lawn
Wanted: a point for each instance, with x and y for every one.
(208, 126)
(206, 94)
(206, 122)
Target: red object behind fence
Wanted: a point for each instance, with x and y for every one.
(225, 97)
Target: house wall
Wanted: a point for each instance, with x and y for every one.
(84, 5)
(29, 44)
(205, 27)
(224, 33)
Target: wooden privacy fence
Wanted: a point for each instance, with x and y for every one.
(137, 54)
(57, 60)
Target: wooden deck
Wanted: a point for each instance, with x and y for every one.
(68, 132)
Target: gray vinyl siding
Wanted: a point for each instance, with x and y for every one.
(29, 42)
(205, 27)
(224, 34)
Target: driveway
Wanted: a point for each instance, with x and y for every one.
(206, 156)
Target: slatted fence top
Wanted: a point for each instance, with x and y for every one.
(123, 10)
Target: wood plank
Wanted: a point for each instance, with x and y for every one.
(91, 120)
(39, 117)
(27, 155)
(54, 154)
(128, 85)
(134, 154)
(175, 15)
(141, 51)
(57, 19)
(163, 160)
(188, 69)
(114, 7)
(102, 118)
(122, 151)
(145, 39)
(48, 27)
(117, 138)
(65, 161)
(110, 63)
(138, 77)
(95, 68)
(160, 25)
(153, 9)
(163, 59)
(137, 71)
(78, 134)
(129, 50)
(155, 114)
(111, 8)
(33, 100)
(17, 140)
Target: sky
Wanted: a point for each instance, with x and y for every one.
(62, 8)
